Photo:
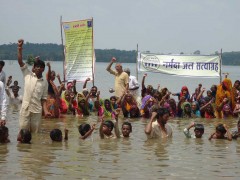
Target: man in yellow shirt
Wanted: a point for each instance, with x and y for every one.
(121, 78)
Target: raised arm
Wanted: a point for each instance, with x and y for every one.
(20, 61)
(204, 106)
(74, 87)
(49, 71)
(85, 83)
(143, 80)
(148, 128)
(7, 85)
(59, 79)
(200, 94)
(110, 64)
(116, 128)
(89, 132)
(101, 129)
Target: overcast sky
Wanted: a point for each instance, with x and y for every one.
(163, 26)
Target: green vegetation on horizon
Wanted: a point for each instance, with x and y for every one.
(54, 52)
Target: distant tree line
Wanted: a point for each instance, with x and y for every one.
(54, 52)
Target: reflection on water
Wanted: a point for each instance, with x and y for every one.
(133, 158)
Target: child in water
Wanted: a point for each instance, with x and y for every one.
(86, 130)
(106, 127)
(4, 134)
(126, 129)
(220, 132)
(56, 135)
(24, 136)
(198, 130)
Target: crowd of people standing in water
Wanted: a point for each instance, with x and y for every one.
(43, 97)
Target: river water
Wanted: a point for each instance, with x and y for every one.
(133, 158)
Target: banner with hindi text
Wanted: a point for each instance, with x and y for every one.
(180, 65)
(79, 51)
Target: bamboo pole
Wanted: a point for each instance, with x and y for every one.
(137, 63)
(93, 57)
(220, 72)
(64, 78)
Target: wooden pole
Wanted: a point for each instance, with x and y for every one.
(220, 72)
(93, 57)
(64, 78)
(137, 63)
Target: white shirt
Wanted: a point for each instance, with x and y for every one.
(133, 83)
(34, 91)
(3, 102)
(15, 100)
(157, 132)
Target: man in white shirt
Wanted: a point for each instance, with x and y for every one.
(14, 98)
(3, 105)
(133, 84)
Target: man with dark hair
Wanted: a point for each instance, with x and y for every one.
(198, 130)
(133, 83)
(35, 94)
(158, 126)
(2, 73)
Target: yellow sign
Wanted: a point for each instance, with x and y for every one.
(79, 49)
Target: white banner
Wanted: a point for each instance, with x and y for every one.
(180, 65)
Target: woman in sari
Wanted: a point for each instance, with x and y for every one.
(82, 108)
(106, 109)
(127, 102)
(147, 103)
(224, 91)
(53, 93)
(67, 103)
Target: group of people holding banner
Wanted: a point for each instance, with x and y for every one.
(43, 96)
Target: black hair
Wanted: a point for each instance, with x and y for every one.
(3, 131)
(237, 81)
(199, 127)
(113, 97)
(109, 124)
(39, 63)
(161, 112)
(207, 99)
(56, 135)
(127, 124)
(84, 128)
(94, 87)
(26, 136)
(2, 63)
(221, 129)
(134, 112)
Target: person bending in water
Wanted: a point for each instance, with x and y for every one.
(4, 134)
(106, 127)
(24, 136)
(199, 130)
(159, 128)
(56, 135)
(221, 131)
(86, 130)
